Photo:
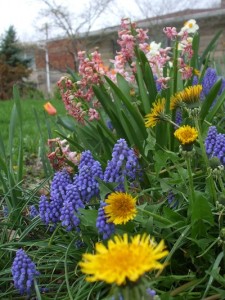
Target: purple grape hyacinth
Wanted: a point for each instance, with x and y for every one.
(150, 292)
(215, 144)
(33, 211)
(210, 140)
(209, 79)
(104, 228)
(50, 209)
(23, 272)
(59, 183)
(85, 180)
(124, 163)
(70, 208)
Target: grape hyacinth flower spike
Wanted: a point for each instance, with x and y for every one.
(23, 272)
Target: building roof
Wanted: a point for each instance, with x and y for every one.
(170, 19)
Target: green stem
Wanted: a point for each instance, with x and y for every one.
(175, 68)
(191, 184)
(155, 216)
(221, 183)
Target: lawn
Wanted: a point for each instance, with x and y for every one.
(31, 132)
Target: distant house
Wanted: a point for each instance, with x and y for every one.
(61, 52)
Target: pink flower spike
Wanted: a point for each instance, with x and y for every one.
(186, 72)
(171, 32)
(163, 82)
(93, 114)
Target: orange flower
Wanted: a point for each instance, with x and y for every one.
(50, 109)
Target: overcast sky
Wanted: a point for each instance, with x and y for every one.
(23, 14)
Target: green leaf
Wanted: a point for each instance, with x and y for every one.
(137, 118)
(207, 103)
(88, 217)
(147, 76)
(216, 107)
(145, 98)
(172, 215)
(201, 214)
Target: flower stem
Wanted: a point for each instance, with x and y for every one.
(175, 68)
(191, 184)
(155, 216)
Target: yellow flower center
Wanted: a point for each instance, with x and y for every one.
(120, 208)
(186, 134)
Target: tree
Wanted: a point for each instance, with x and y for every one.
(13, 67)
(60, 18)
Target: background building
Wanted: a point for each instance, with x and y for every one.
(53, 57)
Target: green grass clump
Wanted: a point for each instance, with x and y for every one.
(31, 133)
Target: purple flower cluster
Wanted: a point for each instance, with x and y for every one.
(150, 292)
(208, 81)
(33, 211)
(124, 164)
(70, 208)
(50, 209)
(172, 201)
(68, 196)
(178, 118)
(85, 180)
(104, 228)
(58, 186)
(215, 144)
(23, 272)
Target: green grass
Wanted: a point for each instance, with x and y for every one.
(31, 133)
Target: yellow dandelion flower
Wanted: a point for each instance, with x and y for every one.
(175, 101)
(156, 114)
(186, 134)
(120, 208)
(123, 260)
(189, 95)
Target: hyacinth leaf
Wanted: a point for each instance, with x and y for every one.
(219, 102)
(108, 105)
(146, 80)
(118, 120)
(133, 135)
(148, 76)
(142, 90)
(194, 63)
(137, 118)
(211, 46)
(207, 103)
(162, 135)
(124, 86)
(75, 76)
(106, 143)
(195, 46)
